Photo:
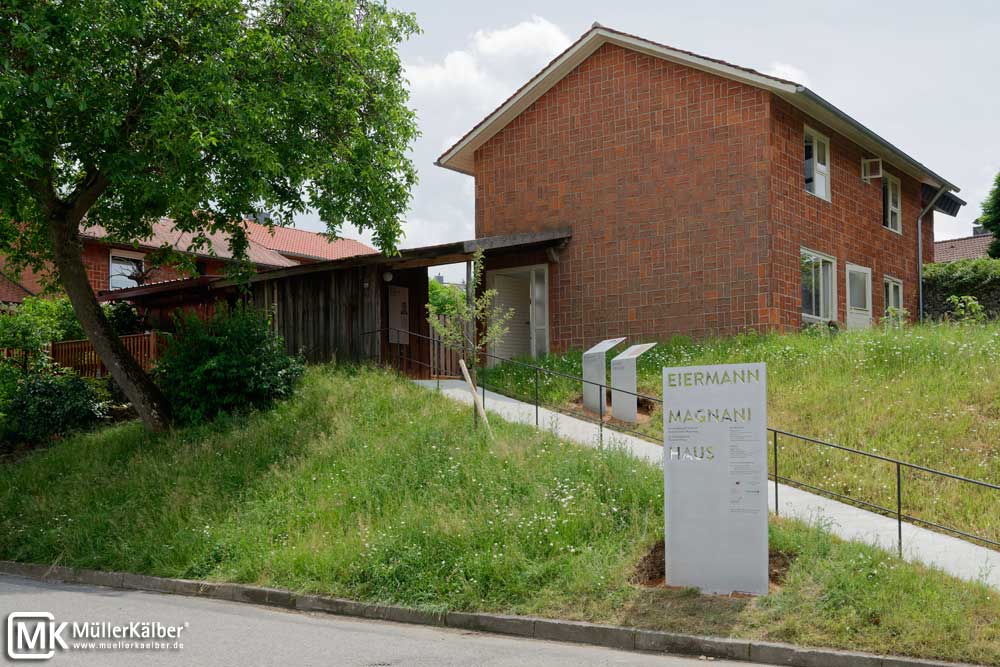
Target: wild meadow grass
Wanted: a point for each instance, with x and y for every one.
(927, 394)
(366, 486)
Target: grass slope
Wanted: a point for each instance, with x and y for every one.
(368, 487)
(927, 394)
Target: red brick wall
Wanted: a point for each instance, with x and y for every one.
(848, 227)
(661, 172)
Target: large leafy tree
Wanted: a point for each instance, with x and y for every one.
(990, 219)
(118, 112)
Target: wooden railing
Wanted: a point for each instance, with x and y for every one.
(81, 356)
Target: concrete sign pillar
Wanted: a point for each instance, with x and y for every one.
(715, 477)
(595, 373)
(624, 403)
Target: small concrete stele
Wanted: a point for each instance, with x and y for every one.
(595, 375)
(624, 401)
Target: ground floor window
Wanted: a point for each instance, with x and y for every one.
(893, 291)
(818, 286)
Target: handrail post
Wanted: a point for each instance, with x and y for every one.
(536, 396)
(899, 507)
(777, 511)
(600, 423)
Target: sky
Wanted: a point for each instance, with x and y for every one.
(921, 74)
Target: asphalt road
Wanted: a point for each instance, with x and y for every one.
(223, 633)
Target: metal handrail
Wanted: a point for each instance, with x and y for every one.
(899, 464)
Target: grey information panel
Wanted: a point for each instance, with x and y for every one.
(595, 374)
(715, 477)
(623, 377)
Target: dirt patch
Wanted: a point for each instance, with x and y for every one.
(778, 563)
(651, 570)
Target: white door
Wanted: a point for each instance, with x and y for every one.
(513, 291)
(859, 297)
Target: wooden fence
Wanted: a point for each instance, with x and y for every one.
(444, 360)
(81, 356)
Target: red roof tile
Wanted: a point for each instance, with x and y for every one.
(969, 247)
(301, 243)
(164, 234)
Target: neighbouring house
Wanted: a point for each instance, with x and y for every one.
(966, 247)
(114, 266)
(701, 197)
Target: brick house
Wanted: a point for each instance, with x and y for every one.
(114, 266)
(701, 197)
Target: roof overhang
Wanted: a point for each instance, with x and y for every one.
(461, 156)
(434, 255)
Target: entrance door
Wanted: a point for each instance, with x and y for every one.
(525, 290)
(859, 297)
(513, 292)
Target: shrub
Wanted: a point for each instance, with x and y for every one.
(228, 362)
(50, 402)
(966, 309)
(124, 318)
(979, 278)
(443, 299)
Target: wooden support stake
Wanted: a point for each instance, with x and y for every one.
(475, 397)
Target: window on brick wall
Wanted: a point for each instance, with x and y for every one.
(892, 289)
(125, 270)
(819, 289)
(892, 203)
(817, 163)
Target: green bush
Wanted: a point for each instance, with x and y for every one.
(49, 402)
(442, 299)
(228, 362)
(979, 278)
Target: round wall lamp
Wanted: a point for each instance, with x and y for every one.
(387, 276)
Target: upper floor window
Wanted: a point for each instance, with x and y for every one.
(819, 291)
(126, 269)
(817, 163)
(892, 203)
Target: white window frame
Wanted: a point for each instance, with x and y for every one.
(124, 254)
(818, 169)
(887, 209)
(832, 310)
(889, 281)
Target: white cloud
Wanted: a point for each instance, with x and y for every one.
(528, 38)
(493, 64)
(787, 71)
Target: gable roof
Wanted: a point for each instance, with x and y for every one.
(968, 247)
(294, 242)
(460, 156)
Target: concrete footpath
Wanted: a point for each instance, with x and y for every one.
(952, 555)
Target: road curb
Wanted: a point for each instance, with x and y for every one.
(576, 632)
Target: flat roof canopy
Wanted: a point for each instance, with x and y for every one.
(433, 255)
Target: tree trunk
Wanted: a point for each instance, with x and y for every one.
(145, 396)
